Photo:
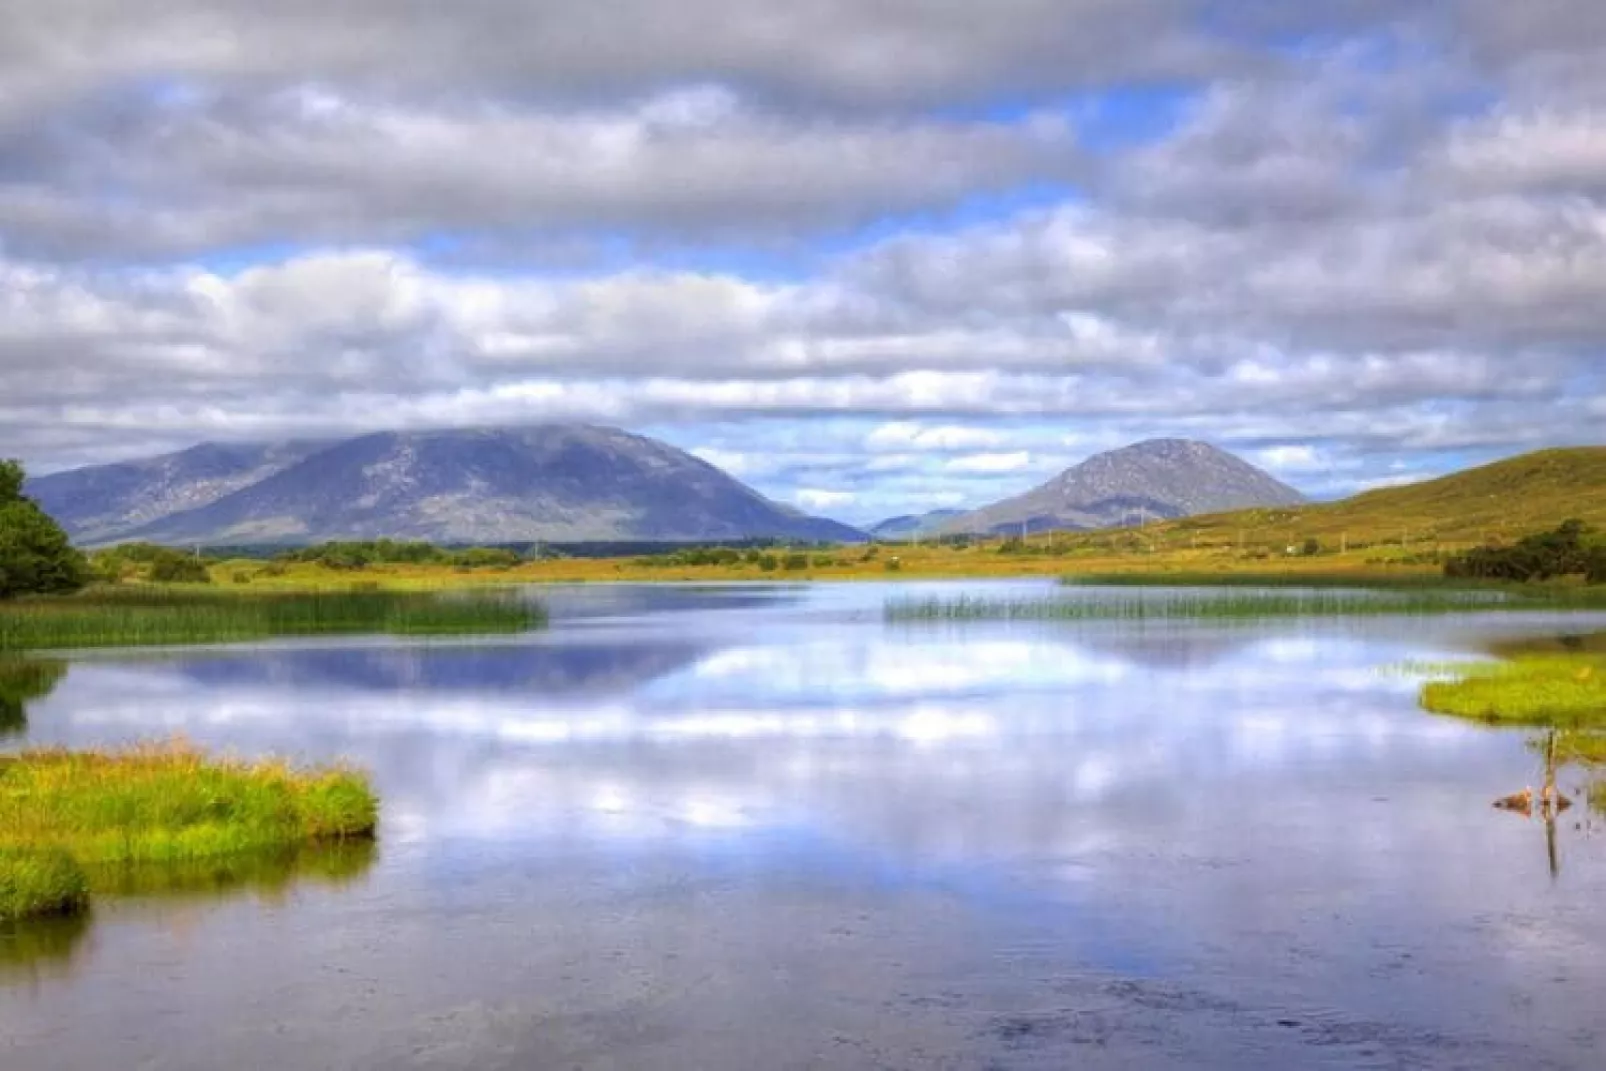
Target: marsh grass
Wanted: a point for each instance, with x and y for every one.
(1193, 604)
(41, 881)
(142, 616)
(71, 822)
(1575, 748)
(1564, 691)
(1251, 578)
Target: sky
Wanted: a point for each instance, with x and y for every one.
(872, 258)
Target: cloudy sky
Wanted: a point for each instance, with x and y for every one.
(872, 257)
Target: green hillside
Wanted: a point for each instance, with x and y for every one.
(1504, 500)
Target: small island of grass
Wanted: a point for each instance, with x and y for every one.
(1555, 690)
(1558, 684)
(71, 822)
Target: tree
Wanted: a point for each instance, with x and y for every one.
(35, 554)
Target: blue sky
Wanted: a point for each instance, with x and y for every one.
(873, 259)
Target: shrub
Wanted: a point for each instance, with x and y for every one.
(1595, 566)
(1563, 551)
(768, 562)
(794, 562)
(176, 568)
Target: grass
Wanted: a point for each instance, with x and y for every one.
(1191, 605)
(147, 615)
(1261, 578)
(38, 882)
(1560, 690)
(65, 815)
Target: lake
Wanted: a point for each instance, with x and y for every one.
(757, 827)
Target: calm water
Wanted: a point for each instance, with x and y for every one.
(757, 828)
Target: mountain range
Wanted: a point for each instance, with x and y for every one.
(557, 482)
(572, 483)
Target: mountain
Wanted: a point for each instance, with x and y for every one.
(97, 504)
(559, 483)
(913, 526)
(1153, 480)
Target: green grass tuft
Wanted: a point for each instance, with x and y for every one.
(164, 804)
(36, 882)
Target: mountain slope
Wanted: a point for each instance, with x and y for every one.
(915, 525)
(565, 483)
(96, 504)
(1505, 499)
(1160, 478)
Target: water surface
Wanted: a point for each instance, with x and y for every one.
(757, 827)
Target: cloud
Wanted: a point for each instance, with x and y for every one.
(889, 251)
(991, 463)
(226, 170)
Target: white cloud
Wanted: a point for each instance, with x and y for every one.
(991, 463)
(813, 498)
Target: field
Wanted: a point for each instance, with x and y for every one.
(72, 824)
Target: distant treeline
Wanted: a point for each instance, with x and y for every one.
(1572, 549)
(171, 565)
(523, 550)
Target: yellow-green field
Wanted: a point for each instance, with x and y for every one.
(1091, 554)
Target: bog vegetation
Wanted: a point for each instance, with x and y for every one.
(145, 615)
(72, 824)
(1556, 684)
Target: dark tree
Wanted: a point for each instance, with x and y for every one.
(1567, 550)
(36, 557)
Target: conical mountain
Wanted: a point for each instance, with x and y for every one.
(1160, 478)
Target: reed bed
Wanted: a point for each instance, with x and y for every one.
(66, 817)
(1554, 595)
(1192, 605)
(1249, 578)
(144, 616)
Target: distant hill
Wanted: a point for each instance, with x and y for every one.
(1504, 500)
(559, 482)
(1148, 481)
(913, 526)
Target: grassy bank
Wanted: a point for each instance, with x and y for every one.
(71, 822)
(136, 616)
